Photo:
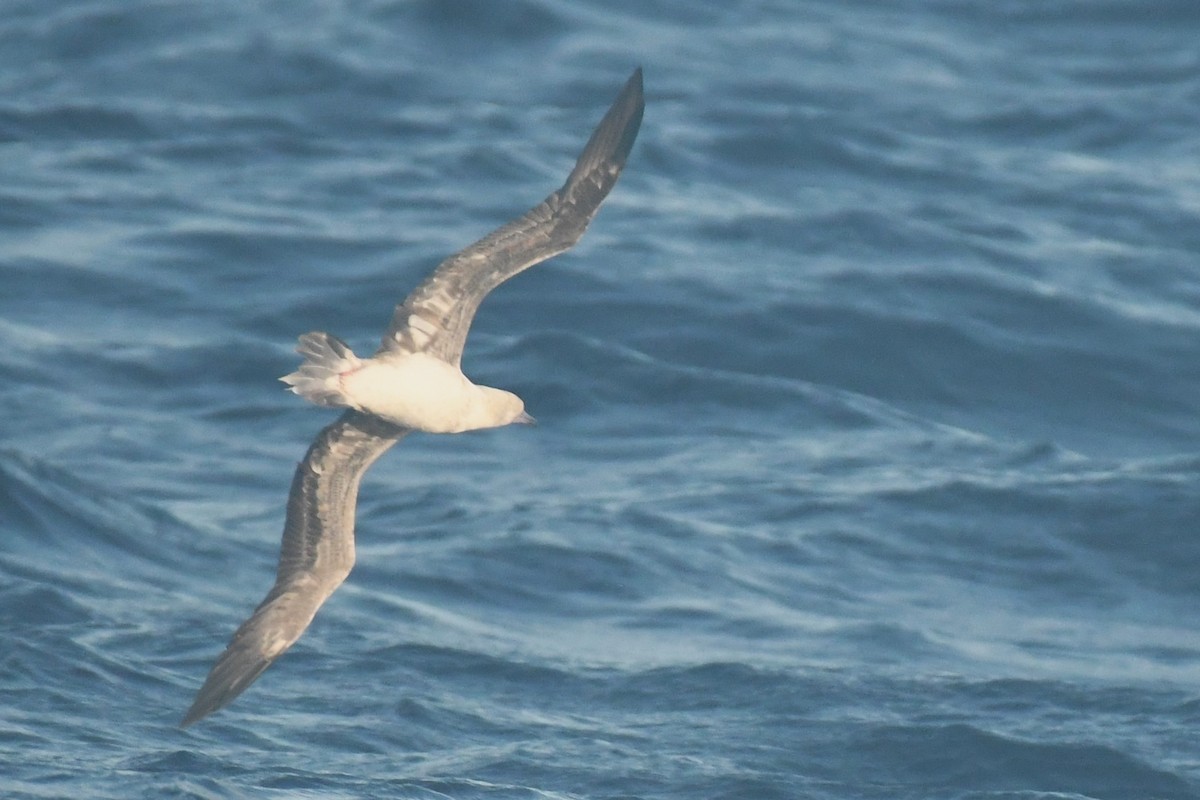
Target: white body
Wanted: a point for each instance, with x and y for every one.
(421, 392)
(414, 390)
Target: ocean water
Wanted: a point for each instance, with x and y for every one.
(868, 462)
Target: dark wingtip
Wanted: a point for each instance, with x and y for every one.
(633, 87)
(626, 116)
(195, 713)
(193, 716)
(235, 670)
(613, 138)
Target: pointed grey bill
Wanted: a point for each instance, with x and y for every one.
(317, 552)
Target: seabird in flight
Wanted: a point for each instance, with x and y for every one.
(413, 382)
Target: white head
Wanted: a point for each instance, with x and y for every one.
(502, 408)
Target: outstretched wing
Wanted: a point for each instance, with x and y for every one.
(437, 315)
(318, 536)
(316, 556)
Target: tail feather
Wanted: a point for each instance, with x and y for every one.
(319, 379)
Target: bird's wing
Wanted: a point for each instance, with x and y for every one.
(316, 556)
(437, 315)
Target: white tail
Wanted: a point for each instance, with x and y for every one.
(319, 379)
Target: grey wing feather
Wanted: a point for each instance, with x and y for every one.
(437, 315)
(316, 556)
(318, 536)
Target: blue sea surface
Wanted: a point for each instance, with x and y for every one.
(868, 456)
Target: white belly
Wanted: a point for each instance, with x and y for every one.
(416, 391)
